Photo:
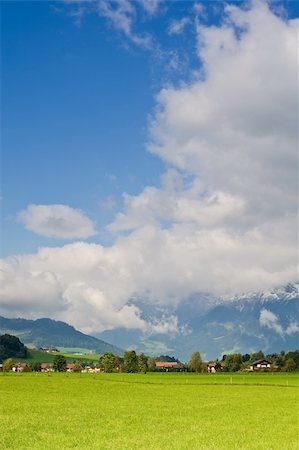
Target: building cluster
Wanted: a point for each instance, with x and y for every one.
(256, 366)
(160, 366)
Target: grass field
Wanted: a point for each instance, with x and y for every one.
(152, 411)
(44, 357)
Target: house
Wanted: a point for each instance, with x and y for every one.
(170, 366)
(260, 364)
(91, 369)
(48, 349)
(214, 367)
(45, 367)
(18, 367)
(70, 367)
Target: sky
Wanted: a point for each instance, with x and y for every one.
(149, 153)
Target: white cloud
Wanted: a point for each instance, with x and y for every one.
(150, 6)
(198, 7)
(223, 220)
(84, 284)
(58, 221)
(178, 26)
(270, 320)
(179, 203)
(292, 328)
(121, 14)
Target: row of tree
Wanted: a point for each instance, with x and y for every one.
(233, 362)
(130, 363)
(283, 361)
(12, 347)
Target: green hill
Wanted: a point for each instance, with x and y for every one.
(52, 333)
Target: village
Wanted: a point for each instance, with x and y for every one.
(260, 365)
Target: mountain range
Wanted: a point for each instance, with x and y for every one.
(267, 321)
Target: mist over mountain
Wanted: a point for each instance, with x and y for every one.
(246, 323)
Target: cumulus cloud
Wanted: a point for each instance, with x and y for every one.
(223, 220)
(58, 221)
(237, 129)
(270, 320)
(84, 284)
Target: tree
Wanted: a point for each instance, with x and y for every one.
(11, 346)
(77, 368)
(233, 362)
(290, 365)
(7, 365)
(151, 364)
(130, 361)
(195, 362)
(245, 358)
(142, 363)
(294, 355)
(204, 367)
(108, 362)
(35, 366)
(59, 363)
(256, 356)
(279, 362)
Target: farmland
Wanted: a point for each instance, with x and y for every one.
(40, 356)
(151, 411)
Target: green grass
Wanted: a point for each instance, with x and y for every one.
(94, 357)
(44, 357)
(152, 411)
(84, 351)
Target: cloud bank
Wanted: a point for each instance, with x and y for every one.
(223, 220)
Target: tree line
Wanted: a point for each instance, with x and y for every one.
(283, 361)
(233, 362)
(11, 347)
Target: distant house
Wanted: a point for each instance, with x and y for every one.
(170, 366)
(70, 367)
(260, 364)
(214, 367)
(91, 369)
(18, 367)
(48, 349)
(45, 367)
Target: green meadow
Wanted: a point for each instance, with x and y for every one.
(148, 411)
(40, 356)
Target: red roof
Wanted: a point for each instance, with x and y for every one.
(166, 364)
(45, 365)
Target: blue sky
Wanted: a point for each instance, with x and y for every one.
(75, 115)
(146, 128)
(76, 99)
